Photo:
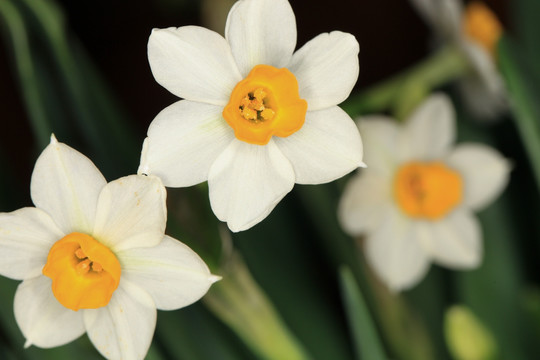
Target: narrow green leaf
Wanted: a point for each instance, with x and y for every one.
(367, 343)
(524, 93)
(26, 71)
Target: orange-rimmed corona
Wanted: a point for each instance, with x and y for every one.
(427, 190)
(482, 26)
(264, 104)
(84, 272)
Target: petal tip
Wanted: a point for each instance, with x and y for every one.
(143, 166)
(27, 343)
(214, 278)
(53, 139)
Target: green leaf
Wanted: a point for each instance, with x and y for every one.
(293, 271)
(26, 71)
(524, 93)
(367, 343)
(493, 291)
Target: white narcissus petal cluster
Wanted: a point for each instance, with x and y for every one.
(483, 89)
(127, 215)
(399, 246)
(190, 141)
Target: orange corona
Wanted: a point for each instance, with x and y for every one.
(84, 272)
(482, 26)
(427, 190)
(264, 104)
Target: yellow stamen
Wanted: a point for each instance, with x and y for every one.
(83, 267)
(264, 104)
(84, 272)
(482, 26)
(80, 254)
(427, 190)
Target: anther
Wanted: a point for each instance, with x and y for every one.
(80, 253)
(97, 267)
(83, 267)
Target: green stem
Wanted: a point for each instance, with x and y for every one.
(443, 66)
(26, 72)
(240, 303)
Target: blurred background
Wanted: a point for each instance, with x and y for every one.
(89, 65)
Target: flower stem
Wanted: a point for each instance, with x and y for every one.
(240, 303)
(404, 91)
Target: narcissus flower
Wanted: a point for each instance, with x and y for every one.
(475, 30)
(256, 117)
(415, 201)
(93, 257)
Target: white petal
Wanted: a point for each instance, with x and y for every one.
(483, 91)
(430, 131)
(326, 69)
(193, 63)
(173, 274)
(457, 241)
(247, 181)
(444, 16)
(124, 328)
(327, 147)
(365, 202)
(43, 321)
(131, 213)
(485, 173)
(26, 236)
(261, 32)
(397, 253)
(66, 184)
(183, 142)
(381, 136)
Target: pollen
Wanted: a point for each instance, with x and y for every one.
(265, 104)
(253, 107)
(481, 25)
(84, 272)
(427, 190)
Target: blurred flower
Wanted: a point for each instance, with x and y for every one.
(256, 118)
(414, 201)
(99, 248)
(475, 30)
(467, 337)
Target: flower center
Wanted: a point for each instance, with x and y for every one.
(427, 190)
(482, 26)
(265, 103)
(84, 272)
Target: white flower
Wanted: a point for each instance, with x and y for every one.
(93, 257)
(256, 117)
(475, 30)
(416, 199)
